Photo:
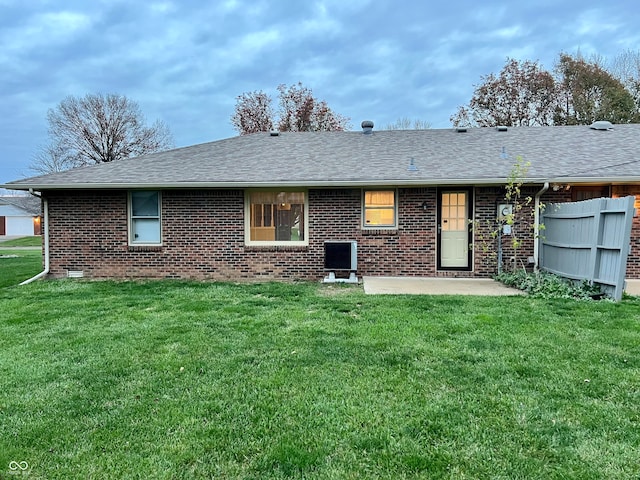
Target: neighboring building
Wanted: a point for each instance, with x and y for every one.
(262, 206)
(19, 215)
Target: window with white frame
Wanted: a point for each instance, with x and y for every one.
(144, 218)
(276, 217)
(379, 209)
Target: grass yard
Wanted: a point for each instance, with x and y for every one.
(209, 380)
(34, 241)
(18, 265)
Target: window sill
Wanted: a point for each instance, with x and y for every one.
(145, 248)
(379, 231)
(276, 248)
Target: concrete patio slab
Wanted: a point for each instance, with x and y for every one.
(436, 286)
(633, 287)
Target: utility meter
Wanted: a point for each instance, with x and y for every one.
(504, 210)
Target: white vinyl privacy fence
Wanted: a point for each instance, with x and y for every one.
(588, 240)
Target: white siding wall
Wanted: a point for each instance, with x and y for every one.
(17, 221)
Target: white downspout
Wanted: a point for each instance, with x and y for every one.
(536, 224)
(45, 208)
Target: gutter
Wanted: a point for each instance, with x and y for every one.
(259, 184)
(45, 209)
(536, 224)
(319, 183)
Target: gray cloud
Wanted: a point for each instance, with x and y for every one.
(185, 62)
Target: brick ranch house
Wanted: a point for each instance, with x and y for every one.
(261, 206)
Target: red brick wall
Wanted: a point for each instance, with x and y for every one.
(409, 250)
(202, 231)
(203, 237)
(486, 227)
(484, 224)
(487, 233)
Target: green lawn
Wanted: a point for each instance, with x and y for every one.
(35, 241)
(18, 265)
(208, 380)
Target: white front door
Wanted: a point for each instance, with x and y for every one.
(454, 229)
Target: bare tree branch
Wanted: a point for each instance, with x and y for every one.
(626, 68)
(405, 123)
(98, 129)
(50, 159)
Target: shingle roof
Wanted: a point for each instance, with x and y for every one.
(570, 153)
(30, 205)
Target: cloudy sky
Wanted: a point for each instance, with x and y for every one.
(185, 62)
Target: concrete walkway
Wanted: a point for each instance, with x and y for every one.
(451, 286)
(436, 286)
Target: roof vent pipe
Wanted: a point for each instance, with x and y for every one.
(601, 125)
(367, 127)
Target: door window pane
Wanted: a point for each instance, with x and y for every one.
(453, 212)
